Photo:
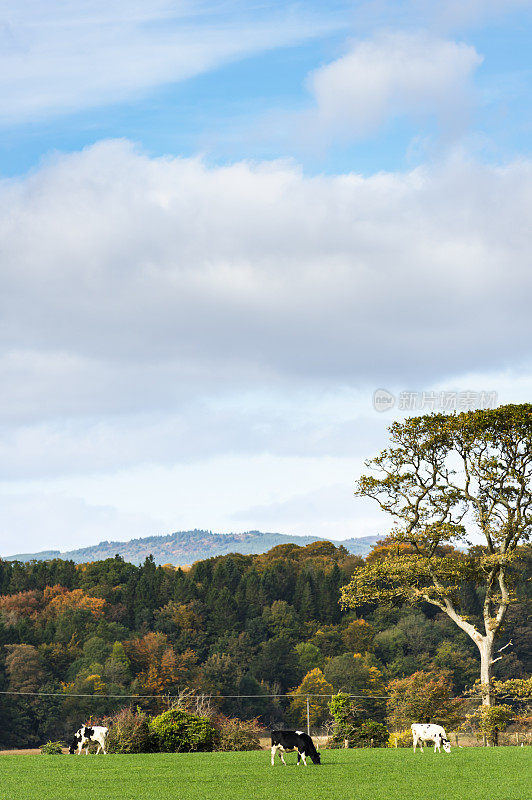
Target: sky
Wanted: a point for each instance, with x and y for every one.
(237, 241)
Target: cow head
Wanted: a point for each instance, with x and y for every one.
(75, 742)
(315, 758)
(446, 745)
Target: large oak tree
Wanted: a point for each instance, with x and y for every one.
(447, 479)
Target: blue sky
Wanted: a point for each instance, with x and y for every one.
(243, 104)
(223, 226)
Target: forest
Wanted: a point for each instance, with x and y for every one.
(248, 625)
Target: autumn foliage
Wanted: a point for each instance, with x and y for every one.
(256, 633)
(58, 599)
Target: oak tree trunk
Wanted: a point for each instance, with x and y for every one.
(485, 645)
(486, 656)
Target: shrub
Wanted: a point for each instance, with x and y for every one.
(349, 724)
(52, 748)
(346, 716)
(489, 720)
(237, 734)
(369, 734)
(128, 732)
(403, 738)
(177, 731)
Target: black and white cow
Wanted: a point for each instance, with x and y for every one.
(288, 741)
(430, 733)
(86, 735)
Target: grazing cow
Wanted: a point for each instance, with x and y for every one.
(86, 735)
(430, 733)
(288, 741)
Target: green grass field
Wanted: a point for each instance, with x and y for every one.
(468, 774)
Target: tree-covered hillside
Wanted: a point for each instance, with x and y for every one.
(231, 625)
(185, 547)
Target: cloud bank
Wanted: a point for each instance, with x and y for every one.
(142, 296)
(115, 262)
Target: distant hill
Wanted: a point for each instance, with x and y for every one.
(42, 555)
(185, 547)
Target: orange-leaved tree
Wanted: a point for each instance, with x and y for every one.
(158, 670)
(423, 697)
(60, 599)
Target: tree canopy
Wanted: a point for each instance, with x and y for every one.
(230, 625)
(446, 480)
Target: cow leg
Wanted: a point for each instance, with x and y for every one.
(415, 742)
(303, 756)
(277, 749)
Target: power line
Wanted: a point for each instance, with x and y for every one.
(202, 696)
(206, 696)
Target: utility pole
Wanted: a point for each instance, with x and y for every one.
(308, 717)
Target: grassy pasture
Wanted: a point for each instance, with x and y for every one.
(468, 774)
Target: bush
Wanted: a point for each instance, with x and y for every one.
(52, 748)
(177, 731)
(237, 734)
(489, 720)
(369, 734)
(128, 732)
(403, 738)
(346, 715)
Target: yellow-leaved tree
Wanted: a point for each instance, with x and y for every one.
(319, 692)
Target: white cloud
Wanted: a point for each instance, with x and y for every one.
(58, 57)
(198, 431)
(392, 75)
(164, 312)
(137, 284)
